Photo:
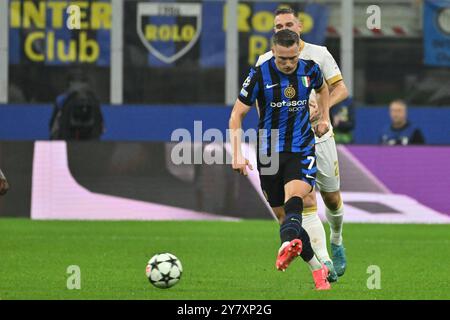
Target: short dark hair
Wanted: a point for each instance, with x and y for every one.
(284, 10)
(285, 38)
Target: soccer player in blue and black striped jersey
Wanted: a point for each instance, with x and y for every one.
(281, 87)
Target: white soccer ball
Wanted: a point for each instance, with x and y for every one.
(164, 270)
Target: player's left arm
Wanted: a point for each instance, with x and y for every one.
(338, 93)
(323, 103)
(336, 85)
(323, 100)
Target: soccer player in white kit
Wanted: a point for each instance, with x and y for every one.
(328, 180)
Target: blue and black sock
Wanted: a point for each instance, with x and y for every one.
(307, 252)
(292, 228)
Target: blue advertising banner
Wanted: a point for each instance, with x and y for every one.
(436, 31)
(203, 30)
(169, 30)
(38, 32)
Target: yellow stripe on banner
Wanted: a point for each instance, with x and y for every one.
(334, 79)
(14, 20)
(309, 211)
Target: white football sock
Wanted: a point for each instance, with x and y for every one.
(314, 227)
(314, 264)
(283, 245)
(336, 220)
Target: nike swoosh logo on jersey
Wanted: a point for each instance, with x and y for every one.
(271, 86)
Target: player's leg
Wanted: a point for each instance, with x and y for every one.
(313, 226)
(315, 229)
(295, 191)
(328, 182)
(291, 245)
(334, 212)
(335, 216)
(299, 175)
(273, 189)
(291, 231)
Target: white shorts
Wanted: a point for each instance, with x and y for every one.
(327, 178)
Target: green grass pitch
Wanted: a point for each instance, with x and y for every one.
(221, 260)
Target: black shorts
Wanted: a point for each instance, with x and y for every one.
(292, 166)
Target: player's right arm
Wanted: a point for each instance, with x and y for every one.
(235, 124)
(246, 98)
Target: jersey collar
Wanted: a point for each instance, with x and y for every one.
(274, 66)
